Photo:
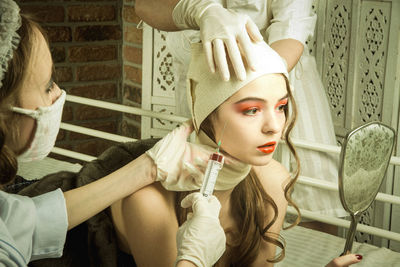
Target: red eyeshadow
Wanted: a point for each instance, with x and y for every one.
(243, 106)
(282, 103)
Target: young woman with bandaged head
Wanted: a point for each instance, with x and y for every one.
(253, 192)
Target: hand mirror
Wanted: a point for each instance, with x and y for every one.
(364, 159)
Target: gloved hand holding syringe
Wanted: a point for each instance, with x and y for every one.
(214, 165)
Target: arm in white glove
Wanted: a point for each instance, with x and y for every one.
(180, 164)
(201, 239)
(219, 29)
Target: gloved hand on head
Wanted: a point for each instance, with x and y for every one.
(220, 28)
(180, 164)
(201, 239)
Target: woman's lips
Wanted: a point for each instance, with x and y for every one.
(267, 148)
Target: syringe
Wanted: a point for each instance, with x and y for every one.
(214, 165)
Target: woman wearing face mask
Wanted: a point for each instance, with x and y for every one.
(31, 106)
(250, 117)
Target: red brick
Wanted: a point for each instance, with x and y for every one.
(61, 135)
(130, 130)
(92, 53)
(91, 13)
(133, 54)
(133, 94)
(98, 72)
(133, 74)
(58, 34)
(58, 54)
(129, 14)
(133, 34)
(96, 91)
(97, 33)
(84, 112)
(63, 74)
(45, 13)
(67, 113)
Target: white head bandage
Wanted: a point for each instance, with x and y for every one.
(206, 91)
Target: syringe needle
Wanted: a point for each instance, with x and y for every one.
(220, 139)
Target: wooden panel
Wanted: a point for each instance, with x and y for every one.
(371, 62)
(336, 57)
(163, 76)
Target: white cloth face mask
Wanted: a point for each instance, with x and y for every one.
(48, 120)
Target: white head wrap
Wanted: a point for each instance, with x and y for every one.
(10, 21)
(206, 91)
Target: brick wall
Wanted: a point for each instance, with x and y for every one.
(96, 49)
(132, 68)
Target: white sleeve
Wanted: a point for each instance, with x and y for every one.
(51, 225)
(292, 19)
(6, 259)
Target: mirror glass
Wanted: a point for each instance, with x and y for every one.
(366, 155)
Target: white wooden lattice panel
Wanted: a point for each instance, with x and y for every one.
(164, 124)
(373, 50)
(163, 75)
(336, 57)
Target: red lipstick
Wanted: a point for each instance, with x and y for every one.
(267, 148)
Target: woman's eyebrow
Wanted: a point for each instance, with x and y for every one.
(252, 98)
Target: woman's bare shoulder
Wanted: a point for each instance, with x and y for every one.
(273, 172)
(154, 196)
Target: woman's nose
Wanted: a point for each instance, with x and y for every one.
(272, 123)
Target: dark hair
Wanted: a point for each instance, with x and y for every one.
(9, 92)
(249, 202)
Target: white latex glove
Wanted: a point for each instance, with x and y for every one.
(180, 164)
(220, 28)
(201, 239)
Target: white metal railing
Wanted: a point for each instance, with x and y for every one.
(95, 133)
(346, 224)
(387, 198)
(137, 111)
(174, 118)
(330, 149)
(124, 108)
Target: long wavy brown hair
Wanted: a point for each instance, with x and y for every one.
(251, 204)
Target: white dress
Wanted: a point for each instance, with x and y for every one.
(31, 228)
(291, 19)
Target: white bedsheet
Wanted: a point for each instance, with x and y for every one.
(37, 169)
(309, 248)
